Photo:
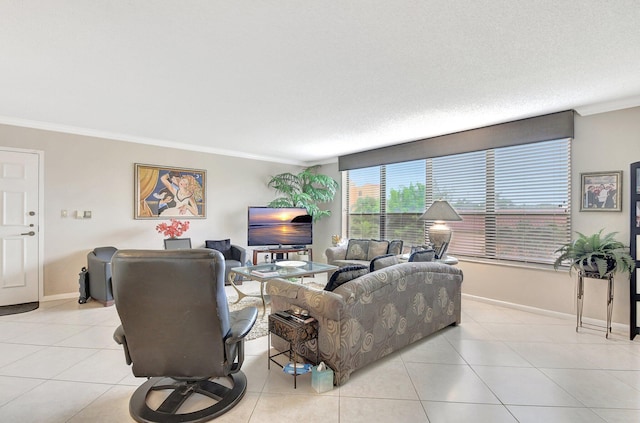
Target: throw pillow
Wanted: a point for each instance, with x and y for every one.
(377, 248)
(424, 255)
(381, 262)
(357, 249)
(395, 247)
(224, 246)
(344, 275)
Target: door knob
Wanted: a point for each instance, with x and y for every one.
(30, 233)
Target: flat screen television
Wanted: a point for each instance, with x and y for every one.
(286, 226)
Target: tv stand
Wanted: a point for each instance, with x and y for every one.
(281, 252)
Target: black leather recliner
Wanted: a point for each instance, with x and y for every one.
(99, 270)
(178, 331)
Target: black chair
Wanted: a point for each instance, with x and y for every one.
(234, 256)
(177, 243)
(99, 271)
(178, 331)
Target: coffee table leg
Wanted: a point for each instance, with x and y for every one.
(241, 294)
(264, 303)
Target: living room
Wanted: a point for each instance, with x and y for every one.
(84, 168)
(72, 182)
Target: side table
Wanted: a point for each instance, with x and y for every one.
(295, 333)
(594, 275)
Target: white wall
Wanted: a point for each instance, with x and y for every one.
(603, 142)
(85, 173)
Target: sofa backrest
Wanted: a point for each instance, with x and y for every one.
(368, 249)
(387, 278)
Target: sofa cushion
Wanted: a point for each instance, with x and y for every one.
(395, 247)
(357, 249)
(224, 246)
(383, 261)
(377, 248)
(344, 275)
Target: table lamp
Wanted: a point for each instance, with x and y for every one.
(439, 233)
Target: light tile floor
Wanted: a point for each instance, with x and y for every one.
(60, 364)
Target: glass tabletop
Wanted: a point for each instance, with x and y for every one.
(296, 269)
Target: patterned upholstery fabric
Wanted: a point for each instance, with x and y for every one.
(344, 275)
(372, 316)
(383, 261)
(377, 248)
(423, 255)
(357, 249)
(395, 247)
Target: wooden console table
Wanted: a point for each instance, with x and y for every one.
(286, 251)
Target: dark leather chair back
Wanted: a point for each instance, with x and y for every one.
(174, 312)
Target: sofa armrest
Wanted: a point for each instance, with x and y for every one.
(319, 303)
(336, 253)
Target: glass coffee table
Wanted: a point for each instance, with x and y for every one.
(283, 269)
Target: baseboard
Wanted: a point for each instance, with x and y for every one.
(60, 297)
(550, 313)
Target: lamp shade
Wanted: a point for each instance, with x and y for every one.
(440, 210)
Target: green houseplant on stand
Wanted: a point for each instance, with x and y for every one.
(596, 253)
(595, 256)
(306, 189)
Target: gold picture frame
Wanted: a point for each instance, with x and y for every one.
(601, 191)
(165, 192)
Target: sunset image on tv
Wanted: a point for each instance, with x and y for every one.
(279, 226)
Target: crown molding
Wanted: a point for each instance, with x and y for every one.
(608, 106)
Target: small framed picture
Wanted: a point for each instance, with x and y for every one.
(601, 191)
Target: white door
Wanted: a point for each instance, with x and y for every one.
(19, 217)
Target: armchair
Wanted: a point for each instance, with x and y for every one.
(99, 270)
(234, 256)
(178, 331)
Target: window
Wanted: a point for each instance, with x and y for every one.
(514, 201)
(363, 203)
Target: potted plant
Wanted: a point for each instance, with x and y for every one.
(596, 253)
(306, 189)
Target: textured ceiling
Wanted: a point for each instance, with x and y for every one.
(304, 82)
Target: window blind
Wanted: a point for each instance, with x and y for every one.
(514, 201)
(363, 203)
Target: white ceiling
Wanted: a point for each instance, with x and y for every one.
(303, 82)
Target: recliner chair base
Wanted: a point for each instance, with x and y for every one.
(167, 412)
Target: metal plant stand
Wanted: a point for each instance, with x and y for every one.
(594, 275)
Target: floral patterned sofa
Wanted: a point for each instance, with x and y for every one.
(373, 315)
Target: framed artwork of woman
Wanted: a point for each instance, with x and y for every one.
(163, 192)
